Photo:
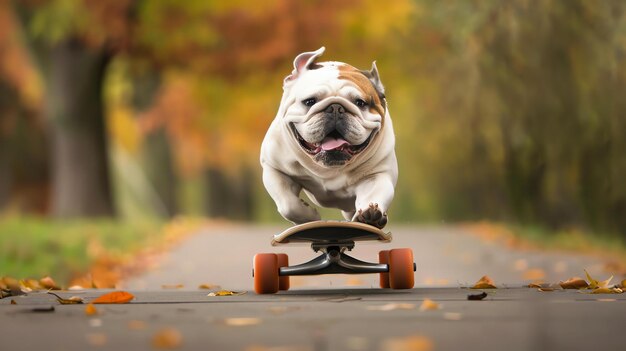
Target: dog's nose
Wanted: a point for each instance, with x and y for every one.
(335, 108)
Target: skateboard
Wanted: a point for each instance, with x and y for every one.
(332, 239)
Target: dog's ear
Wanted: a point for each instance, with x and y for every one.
(375, 79)
(303, 62)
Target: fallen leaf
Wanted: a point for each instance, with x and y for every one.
(48, 283)
(429, 305)
(172, 286)
(622, 284)
(91, 310)
(114, 297)
(242, 321)
(452, 316)
(593, 284)
(574, 283)
(13, 302)
(392, 306)
(534, 274)
(69, 301)
(484, 283)
(96, 339)
(209, 286)
(477, 297)
(136, 324)
(410, 343)
(606, 291)
(31, 284)
(546, 289)
(226, 293)
(538, 284)
(167, 338)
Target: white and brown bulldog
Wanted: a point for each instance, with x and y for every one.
(332, 138)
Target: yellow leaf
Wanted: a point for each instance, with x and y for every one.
(114, 297)
(226, 293)
(593, 284)
(91, 310)
(574, 283)
(484, 283)
(172, 286)
(607, 291)
(537, 284)
(167, 338)
(208, 286)
(242, 322)
(429, 305)
(623, 284)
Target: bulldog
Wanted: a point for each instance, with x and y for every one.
(332, 139)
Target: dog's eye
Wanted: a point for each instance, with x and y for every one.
(309, 102)
(360, 103)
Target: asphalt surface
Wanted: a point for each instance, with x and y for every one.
(332, 312)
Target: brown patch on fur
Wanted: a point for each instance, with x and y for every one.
(361, 80)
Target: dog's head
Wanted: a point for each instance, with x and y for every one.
(332, 110)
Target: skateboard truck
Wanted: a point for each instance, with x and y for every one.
(333, 260)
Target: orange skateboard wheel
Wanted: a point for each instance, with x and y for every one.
(383, 257)
(266, 273)
(283, 261)
(401, 269)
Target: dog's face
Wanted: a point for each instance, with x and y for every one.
(332, 110)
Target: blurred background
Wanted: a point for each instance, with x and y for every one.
(119, 112)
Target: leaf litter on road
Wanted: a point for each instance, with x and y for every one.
(69, 301)
(574, 283)
(226, 293)
(114, 297)
(241, 321)
(484, 283)
(429, 305)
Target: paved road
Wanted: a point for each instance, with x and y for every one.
(445, 256)
(337, 312)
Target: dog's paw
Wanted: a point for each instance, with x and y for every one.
(372, 216)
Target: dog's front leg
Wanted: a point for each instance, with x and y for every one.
(373, 198)
(286, 194)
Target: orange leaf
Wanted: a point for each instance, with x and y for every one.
(48, 283)
(484, 283)
(91, 310)
(114, 297)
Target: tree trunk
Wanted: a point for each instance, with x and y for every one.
(160, 170)
(80, 172)
(229, 197)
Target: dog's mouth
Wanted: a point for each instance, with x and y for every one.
(333, 142)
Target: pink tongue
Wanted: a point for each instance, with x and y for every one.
(332, 143)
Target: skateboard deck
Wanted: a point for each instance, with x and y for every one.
(331, 232)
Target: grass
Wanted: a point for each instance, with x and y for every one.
(35, 247)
